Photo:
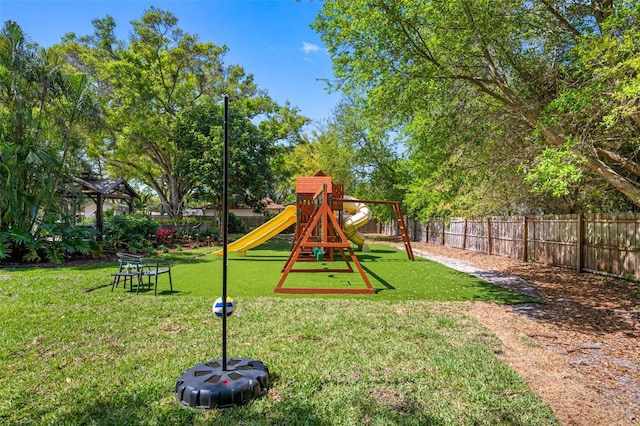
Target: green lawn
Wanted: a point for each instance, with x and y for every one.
(392, 275)
(406, 355)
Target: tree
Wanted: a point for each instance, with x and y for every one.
(374, 149)
(45, 112)
(321, 151)
(355, 153)
(198, 135)
(148, 84)
(561, 72)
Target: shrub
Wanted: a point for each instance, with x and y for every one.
(235, 225)
(54, 240)
(132, 231)
(62, 241)
(209, 234)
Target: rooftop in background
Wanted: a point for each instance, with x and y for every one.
(110, 188)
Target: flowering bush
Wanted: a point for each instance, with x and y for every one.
(166, 235)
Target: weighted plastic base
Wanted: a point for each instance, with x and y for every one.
(209, 385)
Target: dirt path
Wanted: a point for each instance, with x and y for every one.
(579, 349)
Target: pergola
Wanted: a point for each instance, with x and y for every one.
(100, 190)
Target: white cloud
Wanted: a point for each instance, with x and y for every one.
(309, 48)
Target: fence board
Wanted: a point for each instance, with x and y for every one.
(613, 244)
(553, 240)
(435, 231)
(454, 234)
(506, 236)
(603, 243)
(477, 237)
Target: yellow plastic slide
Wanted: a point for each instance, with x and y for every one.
(264, 232)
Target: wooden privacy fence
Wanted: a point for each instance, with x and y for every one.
(600, 243)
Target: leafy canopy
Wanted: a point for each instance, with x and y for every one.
(485, 91)
(160, 77)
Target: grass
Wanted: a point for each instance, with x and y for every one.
(70, 356)
(392, 275)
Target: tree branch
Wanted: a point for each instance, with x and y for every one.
(552, 10)
(625, 186)
(601, 10)
(618, 159)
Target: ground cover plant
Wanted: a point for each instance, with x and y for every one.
(74, 352)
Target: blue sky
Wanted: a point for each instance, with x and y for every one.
(271, 39)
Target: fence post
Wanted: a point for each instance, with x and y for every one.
(464, 235)
(580, 242)
(489, 235)
(525, 236)
(443, 225)
(426, 231)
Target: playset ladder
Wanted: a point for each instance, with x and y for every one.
(403, 231)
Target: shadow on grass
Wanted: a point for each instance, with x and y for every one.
(140, 406)
(383, 251)
(91, 266)
(88, 266)
(147, 291)
(372, 258)
(258, 259)
(489, 292)
(116, 413)
(97, 264)
(381, 280)
(189, 258)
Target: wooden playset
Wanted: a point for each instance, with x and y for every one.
(319, 235)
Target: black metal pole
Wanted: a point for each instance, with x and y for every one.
(225, 229)
(194, 388)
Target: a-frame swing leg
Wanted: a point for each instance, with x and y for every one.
(324, 214)
(360, 269)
